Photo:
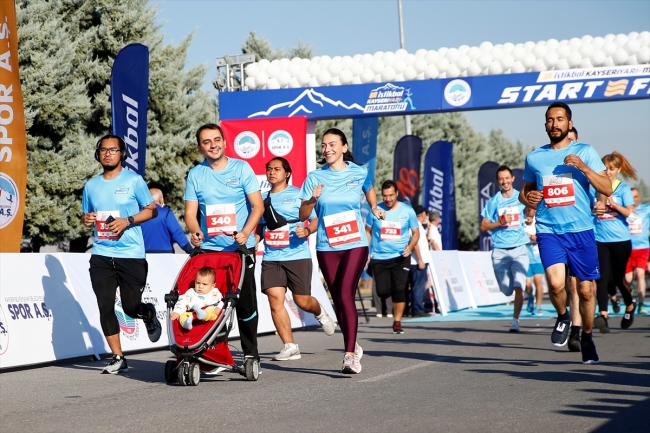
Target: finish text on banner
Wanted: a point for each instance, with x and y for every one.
(406, 168)
(129, 102)
(439, 191)
(13, 139)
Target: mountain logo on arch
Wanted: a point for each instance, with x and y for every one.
(388, 98)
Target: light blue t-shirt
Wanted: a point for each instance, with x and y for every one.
(612, 226)
(123, 196)
(391, 235)
(566, 207)
(340, 226)
(283, 244)
(223, 203)
(512, 234)
(640, 228)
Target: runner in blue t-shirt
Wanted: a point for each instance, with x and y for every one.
(115, 202)
(504, 216)
(335, 192)
(557, 178)
(614, 244)
(225, 194)
(639, 224)
(392, 240)
(287, 259)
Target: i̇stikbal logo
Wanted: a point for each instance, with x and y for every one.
(128, 324)
(457, 93)
(389, 97)
(9, 200)
(4, 333)
(280, 143)
(247, 144)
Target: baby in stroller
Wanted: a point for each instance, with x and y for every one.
(204, 294)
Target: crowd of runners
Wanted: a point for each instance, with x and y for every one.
(573, 222)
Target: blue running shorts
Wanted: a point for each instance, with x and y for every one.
(576, 250)
(534, 269)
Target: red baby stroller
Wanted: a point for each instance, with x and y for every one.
(205, 346)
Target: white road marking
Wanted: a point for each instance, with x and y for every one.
(396, 372)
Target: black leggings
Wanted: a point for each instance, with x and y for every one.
(612, 259)
(247, 316)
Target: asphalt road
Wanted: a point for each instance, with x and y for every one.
(451, 377)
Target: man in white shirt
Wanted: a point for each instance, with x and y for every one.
(418, 274)
(434, 237)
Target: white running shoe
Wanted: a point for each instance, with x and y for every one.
(289, 353)
(514, 325)
(325, 321)
(117, 365)
(358, 351)
(351, 365)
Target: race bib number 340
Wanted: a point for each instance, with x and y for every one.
(221, 219)
(558, 190)
(342, 228)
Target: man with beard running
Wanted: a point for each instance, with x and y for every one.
(557, 178)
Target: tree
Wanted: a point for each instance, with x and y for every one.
(66, 50)
(263, 49)
(644, 191)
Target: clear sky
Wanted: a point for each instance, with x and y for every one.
(338, 28)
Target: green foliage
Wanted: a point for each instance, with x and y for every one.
(66, 51)
(644, 191)
(262, 49)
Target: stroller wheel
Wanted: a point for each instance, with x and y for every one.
(183, 369)
(194, 374)
(170, 374)
(251, 368)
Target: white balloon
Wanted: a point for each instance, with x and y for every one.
(598, 42)
(431, 72)
(529, 60)
(442, 51)
(453, 71)
(284, 78)
(620, 57)
(575, 43)
(273, 70)
(609, 37)
(398, 77)
(442, 64)
(346, 62)
(378, 55)
(474, 53)
(420, 65)
(335, 81)
(304, 78)
(508, 47)
(610, 48)
(540, 50)
(562, 65)
(632, 46)
(261, 79)
(620, 39)
(609, 62)
(273, 84)
(563, 51)
(313, 82)
(356, 68)
(421, 53)
(586, 50)
(495, 68)
(598, 58)
(324, 61)
(463, 49)
(377, 78)
(551, 59)
(552, 44)
(431, 57)
(294, 84)
(401, 53)
(539, 66)
(420, 76)
(357, 57)
(367, 59)
(334, 68)
(586, 63)
(463, 62)
(530, 45)
(632, 60)
(410, 73)
(252, 69)
(284, 63)
(356, 80)
(474, 69)
(263, 64)
(410, 59)
(507, 61)
(484, 61)
(517, 68)
(336, 59)
(586, 39)
(388, 73)
(388, 58)
(367, 76)
(518, 52)
(633, 35)
(296, 60)
(643, 55)
(496, 53)
(574, 59)
(486, 46)
(323, 78)
(644, 38)
(399, 66)
(314, 69)
(304, 64)
(250, 83)
(452, 54)
(377, 66)
(346, 76)
(294, 69)
(315, 59)
(442, 75)
(275, 62)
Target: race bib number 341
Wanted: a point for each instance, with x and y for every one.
(558, 190)
(342, 228)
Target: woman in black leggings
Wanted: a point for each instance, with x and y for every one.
(613, 241)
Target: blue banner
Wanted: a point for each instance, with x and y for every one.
(439, 191)
(608, 83)
(519, 182)
(129, 101)
(487, 187)
(406, 168)
(364, 142)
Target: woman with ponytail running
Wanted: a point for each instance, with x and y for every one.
(613, 241)
(334, 191)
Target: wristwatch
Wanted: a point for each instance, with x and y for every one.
(131, 220)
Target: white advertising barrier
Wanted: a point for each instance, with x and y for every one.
(40, 318)
(481, 279)
(48, 310)
(449, 279)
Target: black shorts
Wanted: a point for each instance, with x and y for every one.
(294, 274)
(391, 277)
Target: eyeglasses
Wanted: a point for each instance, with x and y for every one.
(111, 151)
